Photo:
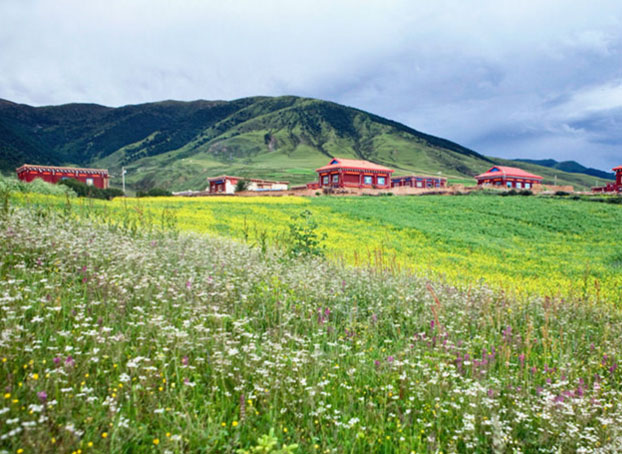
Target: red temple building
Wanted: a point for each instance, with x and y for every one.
(418, 181)
(612, 187)
(53, 174)
(352, 173)
(508, 177)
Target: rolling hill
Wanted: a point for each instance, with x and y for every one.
(177, 145)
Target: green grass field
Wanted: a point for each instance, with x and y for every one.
(124, 330)
(522, 245)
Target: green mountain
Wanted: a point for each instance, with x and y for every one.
(177, 145)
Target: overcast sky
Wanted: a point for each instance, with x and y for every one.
(530, 79)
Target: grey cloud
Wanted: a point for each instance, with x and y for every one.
(506, 79)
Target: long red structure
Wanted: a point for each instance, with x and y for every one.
(418, 181)
(510, 177)
(53, 174)
(353, 173)
(612, 187)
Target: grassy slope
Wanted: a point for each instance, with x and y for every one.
(526, 245)
(118, 341)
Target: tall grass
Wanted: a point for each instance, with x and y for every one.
(116, 339)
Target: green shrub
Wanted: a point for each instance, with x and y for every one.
(8, 184)
(154, 192)
(84, 190)
(241, 185)
(304, 239)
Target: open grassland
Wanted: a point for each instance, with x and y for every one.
(520, 245)
(117, 339)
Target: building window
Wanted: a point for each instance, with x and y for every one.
(335, 178)
(325, 179)
(89, 182)
(381, 181)
(509, 184)
(527, 185)
(419, 184)
(519, 184)
(367, 179)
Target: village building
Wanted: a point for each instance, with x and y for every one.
(352, 173)
(612, 187)
(508, 177)
(52, 174)
(418, 181)
(225, 184)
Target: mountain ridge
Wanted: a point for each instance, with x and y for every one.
(178, 144)
(571, 167)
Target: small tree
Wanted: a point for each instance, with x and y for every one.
(304, 239)
(241, 185)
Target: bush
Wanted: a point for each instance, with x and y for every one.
(561, 193)
(84, 190)
(154, 192)
(241, 185)
(303, 237)
(37, 186)
(525, 192)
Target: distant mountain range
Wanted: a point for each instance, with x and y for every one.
(571, 167)
(177, 145)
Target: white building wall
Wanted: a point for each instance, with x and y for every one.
(229, 187)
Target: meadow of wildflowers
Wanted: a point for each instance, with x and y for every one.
(118, 338)
(519, 245)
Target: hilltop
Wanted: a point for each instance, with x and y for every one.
(177, 144)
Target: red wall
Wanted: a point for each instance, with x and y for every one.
(99, 180)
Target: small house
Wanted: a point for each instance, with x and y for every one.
(225, 184)
(418, 181)
(53, 174)
(353, 173)
(508, 177)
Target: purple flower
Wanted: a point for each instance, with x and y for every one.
(521, 358)
(57, 360)
(377, 363)
(374, 318)
(184, 360)
(69, 362)
(188, 284)
(42, 395)
(579, 391)
(432, 324)
(390, 359)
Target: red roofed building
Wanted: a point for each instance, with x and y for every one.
(53, 174)
(508, 177)
(353, 173)
(612, 187)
